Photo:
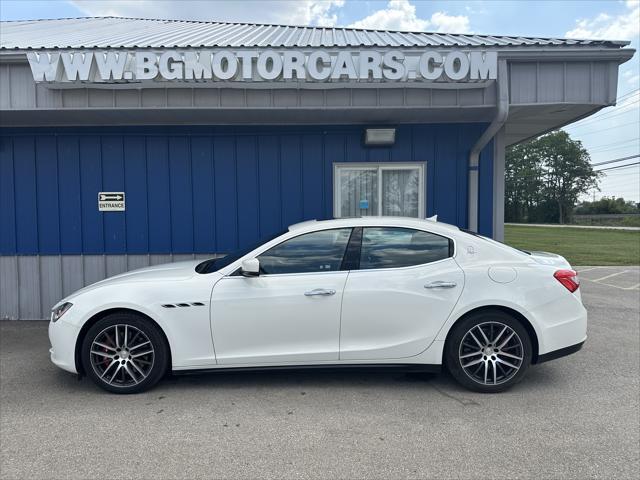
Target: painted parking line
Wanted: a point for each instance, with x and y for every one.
(588, 269)
(633, 287)
(610, 276)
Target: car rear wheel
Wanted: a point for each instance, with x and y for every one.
(488, 352)
(124, 353)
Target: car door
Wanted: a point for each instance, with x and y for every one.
(290, 312)
(395, 303)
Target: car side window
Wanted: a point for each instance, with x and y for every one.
(320, 251)
(390, 247)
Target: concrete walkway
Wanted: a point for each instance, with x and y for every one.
(555, 225)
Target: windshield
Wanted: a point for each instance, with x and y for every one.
(215, 264)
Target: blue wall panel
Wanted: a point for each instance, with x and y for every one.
(25, 194)
(91, 220)
(485, 191)
(135, 188)
(312, 176)
(248, 211)
(290, 179)
(226, 202)
(269, 185)
(204, 233)
(47, 193)
(115, 228)
(7, 198)
(159, 204)
(181, 195)
(206, 189)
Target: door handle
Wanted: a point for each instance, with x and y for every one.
(320, 291)
(441, 284)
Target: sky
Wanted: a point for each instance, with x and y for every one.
(610, 134)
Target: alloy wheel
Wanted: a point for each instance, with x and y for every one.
(491, 353)
(122, 355)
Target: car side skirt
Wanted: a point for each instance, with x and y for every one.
(403, 367)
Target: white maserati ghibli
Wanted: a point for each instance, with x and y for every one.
(359, 292)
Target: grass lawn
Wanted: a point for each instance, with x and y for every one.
(580, 246)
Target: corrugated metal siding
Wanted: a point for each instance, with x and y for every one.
(199, 189)
(31, 285)
(562, 82)
(117, 32)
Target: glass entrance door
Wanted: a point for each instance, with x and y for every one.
(379, 189)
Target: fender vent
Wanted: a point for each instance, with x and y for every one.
(191, 304)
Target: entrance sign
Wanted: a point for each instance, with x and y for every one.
(111, 202)
(253, 66)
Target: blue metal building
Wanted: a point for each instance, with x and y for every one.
(210, 162)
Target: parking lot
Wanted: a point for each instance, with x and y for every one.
(575, 417)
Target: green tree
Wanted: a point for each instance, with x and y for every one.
(545, 177)
(523, 183)
(608, 205)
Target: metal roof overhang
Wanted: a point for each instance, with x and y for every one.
(525, 120)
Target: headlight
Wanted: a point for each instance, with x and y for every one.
(60, 310)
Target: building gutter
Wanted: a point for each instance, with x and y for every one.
(494, 127)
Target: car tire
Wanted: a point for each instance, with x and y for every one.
(488, 351)
(124, 353)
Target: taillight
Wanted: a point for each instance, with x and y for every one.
(568, 278)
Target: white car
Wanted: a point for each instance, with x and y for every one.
(364, 292)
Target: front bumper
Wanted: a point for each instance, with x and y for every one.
(63, 336)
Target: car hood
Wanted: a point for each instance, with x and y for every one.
(169, 272)
(547, 258)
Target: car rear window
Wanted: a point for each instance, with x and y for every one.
(391, 247)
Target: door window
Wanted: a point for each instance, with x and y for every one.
(379, 189)
(389, 247)
(320, 251)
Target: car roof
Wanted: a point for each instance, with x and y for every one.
(408, 222)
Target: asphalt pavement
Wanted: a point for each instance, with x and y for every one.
(575, 417)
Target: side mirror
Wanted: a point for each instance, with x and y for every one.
(250, 267)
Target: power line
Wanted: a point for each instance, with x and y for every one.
(618, 166)
(622, 110)
(604, 150)
(612, 143)
(615, 160)
(608, 113)
(614, 150)
(627, 94)
(605, 115)
(605, 129)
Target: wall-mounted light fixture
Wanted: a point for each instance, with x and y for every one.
(379, 136)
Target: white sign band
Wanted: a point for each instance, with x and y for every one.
(120, 66)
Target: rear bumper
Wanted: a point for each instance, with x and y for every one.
(562, 352)
(560, 324)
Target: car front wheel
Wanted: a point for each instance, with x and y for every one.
(124, 353)
(488, 352)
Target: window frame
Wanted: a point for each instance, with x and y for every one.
(380, 166)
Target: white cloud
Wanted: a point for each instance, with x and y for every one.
(401, 15)
(610, 27)
(398, 14)
(450, 23)
(300, 12)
